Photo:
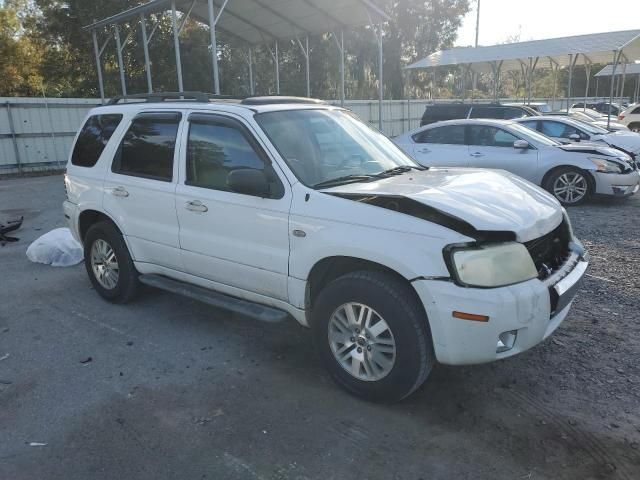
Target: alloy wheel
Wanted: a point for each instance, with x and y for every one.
(362, 342)
(570, 187)
(104, 264)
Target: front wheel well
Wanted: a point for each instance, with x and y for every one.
(88, 218)
(330, 268)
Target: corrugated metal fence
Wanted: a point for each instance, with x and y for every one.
(36, 133)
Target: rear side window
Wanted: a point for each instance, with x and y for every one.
(561, 130)
(450, 135)
(511, 112)
(487, 112)
(435, 113)
(94, 136)
(148, 146)
(636, 111)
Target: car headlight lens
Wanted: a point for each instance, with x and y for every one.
(607, 166)
(493, 265)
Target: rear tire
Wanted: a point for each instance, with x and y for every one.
(570, 185)
(109, 264)
(388, 353)
(635, 127)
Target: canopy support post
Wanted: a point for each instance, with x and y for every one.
(176, 44)
(277, 70)
(587, 71)
(145, 45)
(554, 69)
(624, 78)
(98, 64)
(214, 47)
(305, 53)
(597, 86)
(616, 57)
(380, 79)
(251, 84)
(572, 62)
(496, 67)
(123, 83)
(340, 45)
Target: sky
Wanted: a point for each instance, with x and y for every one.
(538, 19)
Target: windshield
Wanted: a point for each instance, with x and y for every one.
(531, 134)
(322, 145)
(589, 127)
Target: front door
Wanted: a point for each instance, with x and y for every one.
(493, 147)
(235, 239)
(139, 189)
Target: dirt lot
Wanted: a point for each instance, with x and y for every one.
(176, 389)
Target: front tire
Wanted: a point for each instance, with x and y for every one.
(109, 264)
(570, 185)
(372, 335)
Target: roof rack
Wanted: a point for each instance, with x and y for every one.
(277, 99)
(201, 97)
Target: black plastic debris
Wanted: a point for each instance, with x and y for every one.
(9, 226)
(86, 360)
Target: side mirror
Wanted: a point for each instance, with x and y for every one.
(521, 144)
(249, 181)
(574, 137)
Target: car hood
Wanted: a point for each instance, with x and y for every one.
(594, 148)
(627, 140)
(488, 200)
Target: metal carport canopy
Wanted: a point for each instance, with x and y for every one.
(596, 47)
(253, 22)
(629, 68)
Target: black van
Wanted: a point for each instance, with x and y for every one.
(454, 111)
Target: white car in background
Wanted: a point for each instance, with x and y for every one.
(566, 129)
(631, 117)
(595, 118)
(570, 172)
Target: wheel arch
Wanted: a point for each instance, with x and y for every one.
(90, 217)
(329, 268)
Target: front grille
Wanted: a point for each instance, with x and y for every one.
(550, 251)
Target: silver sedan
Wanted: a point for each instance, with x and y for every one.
(571, 172)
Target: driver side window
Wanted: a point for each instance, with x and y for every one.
(214, 149)
(486, 136)
(561, 130)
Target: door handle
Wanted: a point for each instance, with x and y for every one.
(477, 154)
(424, 150)
(196, 206)
(119, 192)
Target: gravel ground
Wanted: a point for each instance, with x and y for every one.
(176, 389)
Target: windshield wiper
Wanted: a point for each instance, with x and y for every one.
(399, 169)
(342, 180)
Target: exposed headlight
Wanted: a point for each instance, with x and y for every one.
(607, 166)
(493, 265)
(567, 222)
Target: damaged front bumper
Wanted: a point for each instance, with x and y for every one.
(530, 311)
(618, 185)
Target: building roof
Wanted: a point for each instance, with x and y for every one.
(597, 48)
(630, 69)
(262, 21)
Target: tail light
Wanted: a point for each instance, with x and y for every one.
(620, 117)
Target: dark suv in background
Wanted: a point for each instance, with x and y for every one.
(455, 111)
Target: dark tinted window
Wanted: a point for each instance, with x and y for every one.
(215, 148)
(561, 130)
(512, 112)
(93, 137)
(487, 112)
(147, 147)
(486, 136)
(435, 113)
(636, 111)
(450, 134)
(533, 124)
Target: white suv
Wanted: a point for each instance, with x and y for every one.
(631, 117)
(277, 207)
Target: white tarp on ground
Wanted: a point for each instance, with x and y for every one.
(57, 248)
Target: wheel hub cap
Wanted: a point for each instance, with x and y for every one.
(104, 264)
(361, 342)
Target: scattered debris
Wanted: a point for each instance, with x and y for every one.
(37, 444)
(129, 343)
(9, 226)
(86, 360)
(5, 382)
(4, 357)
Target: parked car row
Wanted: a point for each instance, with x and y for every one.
(571, 172)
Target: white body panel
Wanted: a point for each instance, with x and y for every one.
(245, 246)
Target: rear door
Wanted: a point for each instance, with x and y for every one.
(139, 188)
(442, 146)
(237, 240)
(492, 147)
